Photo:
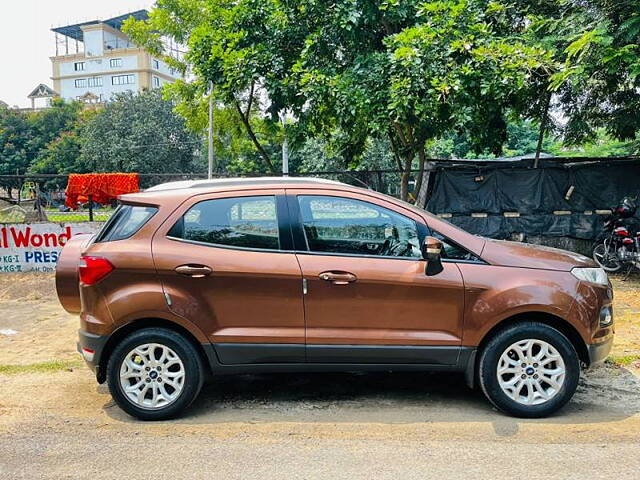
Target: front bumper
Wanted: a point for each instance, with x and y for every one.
(598, 352)
(91, 346)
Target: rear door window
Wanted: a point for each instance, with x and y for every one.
(125, 221)
(246, 222)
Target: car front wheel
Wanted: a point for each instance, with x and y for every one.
(529, 370)
(154, 374)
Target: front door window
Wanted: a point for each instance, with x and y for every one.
(337, 225)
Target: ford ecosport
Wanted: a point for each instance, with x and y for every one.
(298, 274)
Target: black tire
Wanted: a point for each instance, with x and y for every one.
(188, 355)
(598, 253)
(490, 356)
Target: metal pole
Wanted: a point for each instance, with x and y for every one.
(285, 150)
(210, 150)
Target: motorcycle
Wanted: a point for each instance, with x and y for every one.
(619, 244)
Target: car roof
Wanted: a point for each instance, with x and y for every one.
(245, 182)
(172, 192)
(168, 193)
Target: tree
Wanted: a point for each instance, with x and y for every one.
(597, 83)
(349, 70)
(138, 132)
(316, 155)
(417, 70)
(234, 151)
(244, 49)
(61, 155)
(24, 136)
(49, 123)
(15, 138)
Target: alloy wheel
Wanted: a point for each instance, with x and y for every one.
(152, 376)
(531, 372)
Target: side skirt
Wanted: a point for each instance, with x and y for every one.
(272, 358)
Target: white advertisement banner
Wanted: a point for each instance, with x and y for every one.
(28, 247)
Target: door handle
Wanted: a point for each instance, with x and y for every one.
(338, 278)
(195, 271)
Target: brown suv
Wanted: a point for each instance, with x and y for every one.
(277, 274)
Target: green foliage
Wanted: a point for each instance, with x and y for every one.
(138, 133)
(62, 155)
(353, 70)
(241, 48)
(416, 72)
(316, 155)
(25, 136)
(16, 136)
(49, 123)
(234, 151)
(364, 83)
(602, 145)
(521, 140)
(132, 133)
(597, 85)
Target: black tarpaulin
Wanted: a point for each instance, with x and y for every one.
(539, 196)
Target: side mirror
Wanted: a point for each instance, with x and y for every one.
(431, 249)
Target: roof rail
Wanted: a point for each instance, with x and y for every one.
(248, 181)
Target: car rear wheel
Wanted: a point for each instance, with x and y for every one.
(154, 374)
(529, 370)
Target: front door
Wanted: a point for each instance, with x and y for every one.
(367, 298)
(223, 265)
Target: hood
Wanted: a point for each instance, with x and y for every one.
(524, 255)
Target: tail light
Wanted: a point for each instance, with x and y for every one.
(621, 232)
(93, 269)
(627, 241)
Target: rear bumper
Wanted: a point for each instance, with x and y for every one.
(91, 346)
(598, 352)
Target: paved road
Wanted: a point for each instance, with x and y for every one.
(397, 426)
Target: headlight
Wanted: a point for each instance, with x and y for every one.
(592, 275)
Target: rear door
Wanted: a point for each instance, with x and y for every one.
(367, 298)
(226, 263)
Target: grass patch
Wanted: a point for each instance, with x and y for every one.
(99, 215)
(42, 367)
(61, 218)
(623, 360)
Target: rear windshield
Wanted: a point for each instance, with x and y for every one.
(125, 221)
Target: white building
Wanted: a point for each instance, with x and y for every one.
(96, 59)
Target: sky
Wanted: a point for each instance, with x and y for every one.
(27, 42)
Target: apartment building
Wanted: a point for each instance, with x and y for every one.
(95, 59)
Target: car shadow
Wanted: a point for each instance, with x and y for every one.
(604, 395)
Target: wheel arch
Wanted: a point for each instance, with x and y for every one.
(559, 323)
(125, 330)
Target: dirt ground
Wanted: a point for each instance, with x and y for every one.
(56, 422)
